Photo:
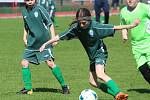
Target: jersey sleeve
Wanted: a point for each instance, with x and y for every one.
(24, 18)
(104, 30)
(68, 34)
(45, 16)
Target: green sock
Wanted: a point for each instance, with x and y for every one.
(57, 73)
(106, 89)
(113, 86)
(26, 76)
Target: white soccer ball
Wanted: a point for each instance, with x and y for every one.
(88, 94)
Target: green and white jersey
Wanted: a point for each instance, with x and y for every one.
(90, 38)
(48, 5)
(140, 35)
(36, 22)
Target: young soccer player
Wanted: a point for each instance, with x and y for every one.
(140, 35)
(100, 5)
(49, 5)
(90, 34)
(37, 24)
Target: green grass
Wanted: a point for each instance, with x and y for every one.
(72, 59)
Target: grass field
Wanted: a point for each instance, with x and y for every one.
(73, 61)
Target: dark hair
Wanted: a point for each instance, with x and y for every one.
(82, 14)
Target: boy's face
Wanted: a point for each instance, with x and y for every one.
(30, 2)
(84, 24)
(132, 3)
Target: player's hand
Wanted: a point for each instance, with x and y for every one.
(124, 37)
(42, 47)
(136, 22)
(54, 44)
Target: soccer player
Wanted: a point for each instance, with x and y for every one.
(99, 6)
(37, 24)
(49, 5)
(91, 34)
(115, 4)
(140, 35)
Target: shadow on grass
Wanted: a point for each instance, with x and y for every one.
(47, 90)
(139, 90)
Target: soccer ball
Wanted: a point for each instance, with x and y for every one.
(88, 94)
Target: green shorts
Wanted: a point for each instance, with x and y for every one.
(142, 58)
(101, 58)
(141, 51)
(36, 57)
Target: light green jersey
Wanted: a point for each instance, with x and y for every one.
(36, 22)
(141, 34)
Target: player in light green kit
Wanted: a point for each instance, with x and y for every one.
(140, 35)
(38, 29)
(91, 34)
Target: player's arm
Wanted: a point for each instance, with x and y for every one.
(51, 41)
(124, 35)
(134, 24)
(52, 31)
(67, 35)
(53, 34)
(25, 37)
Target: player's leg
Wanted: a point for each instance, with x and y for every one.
(47, 56)
(29, 56)
(113, 88)
(142, 65)
(97, 10)
(58, 74)
(93, 81)
(54, 19)
(100, 73)
(92, 76)
(145, 71)
(106, 11)
(113, 4)
(26, 77)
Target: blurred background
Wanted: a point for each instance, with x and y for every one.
(13, 6)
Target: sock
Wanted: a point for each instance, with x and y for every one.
(145, 71)
(57, 73)
(26, 76)
(105, 89)
(113, 86)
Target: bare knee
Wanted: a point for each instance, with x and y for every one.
(25, 63)
(101, 75)
(50, 63)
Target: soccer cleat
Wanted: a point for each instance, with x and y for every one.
(121, 96)
(25, 91)
(65, 90)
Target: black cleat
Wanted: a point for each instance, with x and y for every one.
(65, 90)
(25, 91)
